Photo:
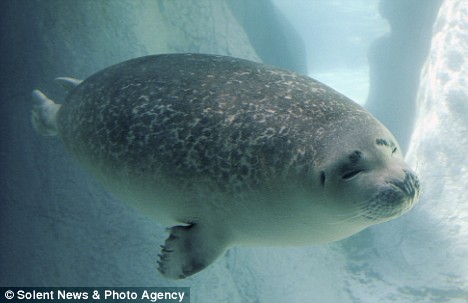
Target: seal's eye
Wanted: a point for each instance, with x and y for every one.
(349, 175)
(353, 166)
(394, 150)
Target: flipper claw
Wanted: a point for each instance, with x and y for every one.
(189, 249)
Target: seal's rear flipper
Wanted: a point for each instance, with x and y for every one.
(68, 83)
(44, 114)
(189, 249)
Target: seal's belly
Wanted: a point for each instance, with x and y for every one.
(280, 214)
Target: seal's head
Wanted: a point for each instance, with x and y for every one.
(370, 179)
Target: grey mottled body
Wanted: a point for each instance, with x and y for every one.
(218, 117)
(234, 152)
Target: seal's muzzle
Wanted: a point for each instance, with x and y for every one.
(394, 198)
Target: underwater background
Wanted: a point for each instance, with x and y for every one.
(405, 60)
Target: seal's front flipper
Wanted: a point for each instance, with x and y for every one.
(189, 249)
(44, 114)
(68, 83)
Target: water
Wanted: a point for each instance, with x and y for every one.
(337, 51)
(59, 227)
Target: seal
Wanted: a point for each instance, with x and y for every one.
(230, 152)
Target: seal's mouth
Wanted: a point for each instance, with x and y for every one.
(393, 199)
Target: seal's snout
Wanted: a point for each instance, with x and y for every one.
(395, 197)
(410, 185)
(407, 190)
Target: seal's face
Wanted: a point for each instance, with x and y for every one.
(373, 182)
